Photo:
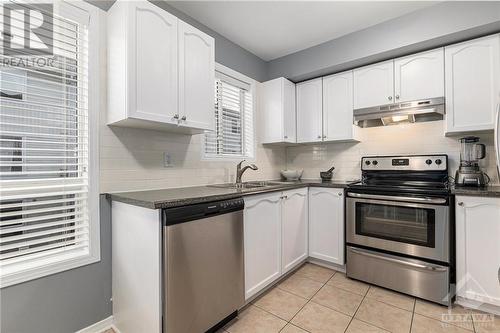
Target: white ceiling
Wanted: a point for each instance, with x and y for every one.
(272, 29)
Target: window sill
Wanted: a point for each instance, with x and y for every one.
(48, 266)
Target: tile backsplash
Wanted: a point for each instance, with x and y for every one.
(132, 159)
(409, 139)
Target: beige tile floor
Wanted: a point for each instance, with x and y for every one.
(317, 299)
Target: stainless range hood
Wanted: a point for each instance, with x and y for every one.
(398, 113)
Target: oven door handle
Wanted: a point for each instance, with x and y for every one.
(397, 198)
(427, 267)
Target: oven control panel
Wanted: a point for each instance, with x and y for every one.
(407, 163)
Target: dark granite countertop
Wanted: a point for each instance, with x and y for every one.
(175, 197)
(486, 191)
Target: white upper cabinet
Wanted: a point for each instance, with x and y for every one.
(154, 76)
(374, 85)
(472, 71)
(419, 76)
(294, 226)
(262, 241)
(326, 224)
(478, 249)
(338, 107)
(278, 116)
(196, 78)
(160, 70)
(309, 110)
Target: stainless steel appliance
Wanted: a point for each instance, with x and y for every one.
(469, 173)
(203, 271)
(398, 226)
(405, 112)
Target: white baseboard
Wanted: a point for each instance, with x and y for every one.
(320, 262)
(100, 326)
(475, 305)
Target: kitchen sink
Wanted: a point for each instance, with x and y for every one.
(250, 185)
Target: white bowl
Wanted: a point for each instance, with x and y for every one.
(292, 174)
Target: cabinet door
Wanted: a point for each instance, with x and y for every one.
(309, 111)
(294, 228)
(338, 107)
(419, 76)
(196, 78)
(478, 248)
(262, 239)
(374, 85)
(289, 112)
(326, 224)
(472, 71)
(153, 63)
(271, 115)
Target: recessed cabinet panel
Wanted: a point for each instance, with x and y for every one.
(294, 228)
(155, 67)
(196, 78)
(472, 84)
(338, 107)
(326, 224)
(309, 111)
(478, 249)
(419, 76)
(374, 85)
(262, 239)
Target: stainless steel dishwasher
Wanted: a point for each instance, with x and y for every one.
(203, 271)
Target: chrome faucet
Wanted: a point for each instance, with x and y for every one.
(240, 171)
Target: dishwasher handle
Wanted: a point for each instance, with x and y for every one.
(176, 215)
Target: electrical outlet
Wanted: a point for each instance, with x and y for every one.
(167, 160)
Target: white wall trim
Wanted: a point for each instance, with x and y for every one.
(100, 326)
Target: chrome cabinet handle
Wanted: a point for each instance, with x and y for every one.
(176, 116)
(324, 136)
(390, 98)
(460, 203)
(340, 194)
(319, 136)
(397, 96)
(183, 118)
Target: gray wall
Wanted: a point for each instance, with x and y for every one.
(442, 24)
(227, 53)
(64, 302)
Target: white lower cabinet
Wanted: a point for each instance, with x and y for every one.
(326, 224)
(262, 239)
(478, 249)
(294, 228)
(275, 236)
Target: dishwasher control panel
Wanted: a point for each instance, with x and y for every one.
(188, 213)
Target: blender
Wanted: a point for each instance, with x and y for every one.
(469, 173)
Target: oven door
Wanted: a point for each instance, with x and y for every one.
(415, 226)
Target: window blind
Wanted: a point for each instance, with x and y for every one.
(44, 145)
(233, 135)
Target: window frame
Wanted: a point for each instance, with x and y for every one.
(253, 91)
(52, 264)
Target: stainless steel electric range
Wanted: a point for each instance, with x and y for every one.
(399, 226)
